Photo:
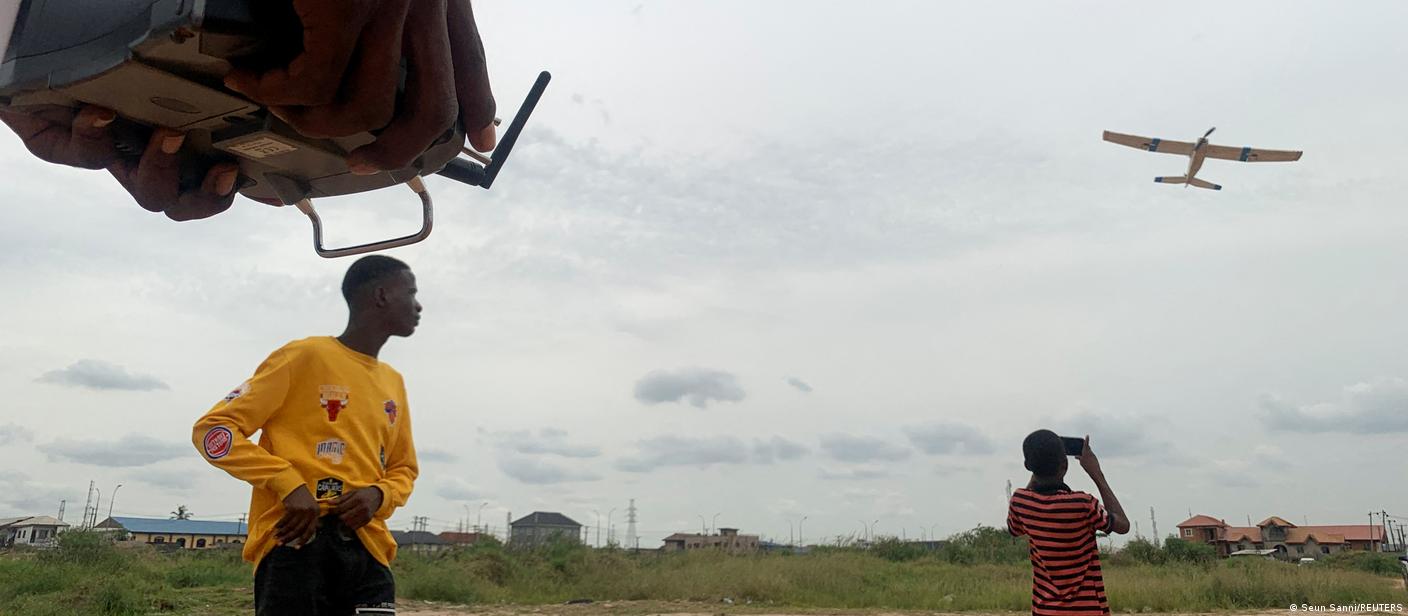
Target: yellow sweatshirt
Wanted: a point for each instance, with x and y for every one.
(332, 419)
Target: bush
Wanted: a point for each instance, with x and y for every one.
(1141, 551)
(1372, 562)
(896, 550)
(83, 547)
(986, 544)
(1178, 550)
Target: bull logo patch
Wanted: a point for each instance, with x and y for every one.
(390, 408)
(333, 399)
(329, 487)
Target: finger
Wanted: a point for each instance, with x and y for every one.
(472, 91)
(216, 194)
(430, 96)
(58, 135)
(330, 32)
(368, 96)
(155, 183)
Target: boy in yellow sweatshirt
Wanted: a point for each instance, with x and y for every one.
(335, 457)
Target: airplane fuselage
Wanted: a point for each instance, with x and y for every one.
(1195, 160)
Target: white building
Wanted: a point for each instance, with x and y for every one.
(39, 530)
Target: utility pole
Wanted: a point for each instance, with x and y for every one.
(87, 502)
(239, 530)
(1152, 520)
(113, 498)
(632, 541)
(1136, 529)
(1371, 531)
(800, 539)
(61, 509)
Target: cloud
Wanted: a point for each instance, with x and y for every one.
(15, 433)
(886, 503)
(857, 472)
(847, 448)
(801, 385)
(1118, 436)
(548, 441)
(698, 386)
(682, 451)
(704, 451)
(948, 438)
(101, 375)
(171, 479)
(431, 454)
(538, 472)
(131, 450)
(777, 448)
(1374, 407)
(22, 496)
(456, 489)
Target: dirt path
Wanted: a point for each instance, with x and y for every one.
(681, 608)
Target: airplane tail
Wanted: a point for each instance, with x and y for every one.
(1172, 179)
(1204, 184)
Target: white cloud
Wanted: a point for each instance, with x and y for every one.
(456, 489)
(948, 438)
(12, 433)
(849, 448)
(801, 385)
(98, 374)
(547, 441)
(539, 472)
(1370, 407)
(131, 450)
(698, 386)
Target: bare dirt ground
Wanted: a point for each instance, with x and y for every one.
(682, 608)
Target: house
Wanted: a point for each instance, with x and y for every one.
(455, 538)
(1286, 540)
(39, 530)
(419, 541)
(727, 539)
(189, 534)
(541, 526)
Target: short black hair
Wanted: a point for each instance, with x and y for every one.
(368, 270)
(1043, 452)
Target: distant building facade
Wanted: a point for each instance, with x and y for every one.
(541, 527)
(187, 534)
(38, 530)
(456, 538)
(727, 539)
(1284, 539)
(419, 541)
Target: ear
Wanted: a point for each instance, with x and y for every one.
(379, 296)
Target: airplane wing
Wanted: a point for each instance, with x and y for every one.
(1251, 155)
(1150, 143)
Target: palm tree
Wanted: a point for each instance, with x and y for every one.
(180, 513)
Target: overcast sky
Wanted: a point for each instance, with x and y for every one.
(775, 260)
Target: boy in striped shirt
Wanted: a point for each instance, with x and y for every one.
(1060, 525)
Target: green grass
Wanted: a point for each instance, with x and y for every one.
(981, 573)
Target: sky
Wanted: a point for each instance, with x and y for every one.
(809, 270)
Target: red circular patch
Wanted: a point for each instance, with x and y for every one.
(217, 442)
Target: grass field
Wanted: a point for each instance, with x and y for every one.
(89, 576)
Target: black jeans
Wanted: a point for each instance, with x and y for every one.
(332, 575)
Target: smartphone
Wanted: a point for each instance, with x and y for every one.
(1074, 445)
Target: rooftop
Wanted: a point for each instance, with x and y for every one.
(175, 527)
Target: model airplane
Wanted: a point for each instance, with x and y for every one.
(1197, 152)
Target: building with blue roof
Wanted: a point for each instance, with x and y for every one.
(189, 534)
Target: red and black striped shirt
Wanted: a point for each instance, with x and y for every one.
(1060, 527)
